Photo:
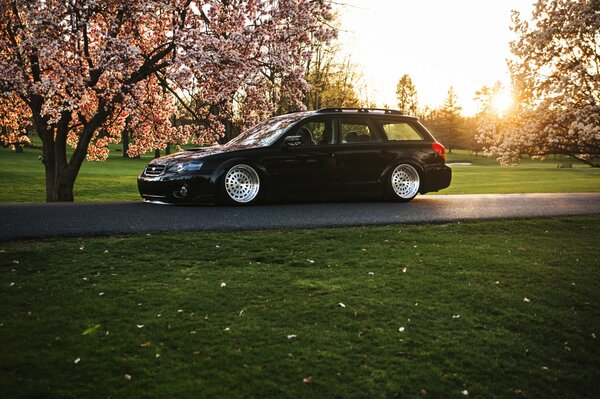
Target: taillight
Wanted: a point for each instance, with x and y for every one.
(439, 149)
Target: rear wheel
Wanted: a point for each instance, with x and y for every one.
(404, 182)
(241, 185)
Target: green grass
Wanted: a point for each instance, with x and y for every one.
(22, 178)
(154, 307)
(485, 176)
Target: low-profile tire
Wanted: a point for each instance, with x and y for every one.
(404, 182)
(240, 185)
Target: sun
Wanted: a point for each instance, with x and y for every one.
(502, 101)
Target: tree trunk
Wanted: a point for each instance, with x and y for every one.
(60, 174)
(168, 149)
(157, 153)
(125, 139)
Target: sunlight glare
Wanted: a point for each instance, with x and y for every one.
(502, 101)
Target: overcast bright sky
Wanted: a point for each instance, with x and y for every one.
(439, 43)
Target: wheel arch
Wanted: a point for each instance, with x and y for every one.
(409, 161)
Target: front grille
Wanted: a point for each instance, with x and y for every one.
(155, 170)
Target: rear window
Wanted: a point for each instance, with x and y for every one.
(400, 131)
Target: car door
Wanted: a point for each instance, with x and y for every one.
(359, 156)
(309, 168)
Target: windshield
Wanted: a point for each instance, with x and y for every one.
(267, 132)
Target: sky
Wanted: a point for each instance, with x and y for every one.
(439, 43)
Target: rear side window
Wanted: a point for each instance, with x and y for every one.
(400, 131)
(356, 132)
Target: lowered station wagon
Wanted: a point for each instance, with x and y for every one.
(331, 153)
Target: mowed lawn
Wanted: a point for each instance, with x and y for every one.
(22, 178)
(490, 309)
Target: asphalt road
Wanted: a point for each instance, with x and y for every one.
(19, 221)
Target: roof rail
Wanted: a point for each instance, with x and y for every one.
(366, 110)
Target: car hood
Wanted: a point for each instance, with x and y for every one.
(193, 154)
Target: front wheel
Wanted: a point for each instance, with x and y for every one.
(404, 182)
(241, 185)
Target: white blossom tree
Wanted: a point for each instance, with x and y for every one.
(556, 79)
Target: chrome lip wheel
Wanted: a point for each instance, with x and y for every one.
(242, 184)
(405, 181)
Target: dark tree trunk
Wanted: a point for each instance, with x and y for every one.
(60, 173)
(125, 137)
(157, 153)
(168, 149)
(125, 140)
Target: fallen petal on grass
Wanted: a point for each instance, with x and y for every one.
(341, 305)
(306, 380)
(526, 300)
(76, 361)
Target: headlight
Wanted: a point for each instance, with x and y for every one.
(186, 167)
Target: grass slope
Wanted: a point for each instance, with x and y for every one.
(22, 178)
(260, 314)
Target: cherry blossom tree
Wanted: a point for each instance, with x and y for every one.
(556, 79)
(79, 70)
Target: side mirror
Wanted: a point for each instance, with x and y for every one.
(293, 141)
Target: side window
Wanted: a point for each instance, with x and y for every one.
(317, 132)
(400, 131)
(356, 132)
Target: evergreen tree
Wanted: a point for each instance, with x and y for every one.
(406, 93)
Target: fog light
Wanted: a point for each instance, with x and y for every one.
(183, 191)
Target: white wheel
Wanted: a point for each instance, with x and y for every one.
(405, 182)
(242, 184)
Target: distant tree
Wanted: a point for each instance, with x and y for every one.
(406, 93)
(469, 136)
(556, 78)
(447, 122)
(333, 83)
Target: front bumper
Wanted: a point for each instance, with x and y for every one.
(176, 188)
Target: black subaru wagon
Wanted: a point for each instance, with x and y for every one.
(331, 153)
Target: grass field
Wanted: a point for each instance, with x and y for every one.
(22, 178)
(493, 309)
